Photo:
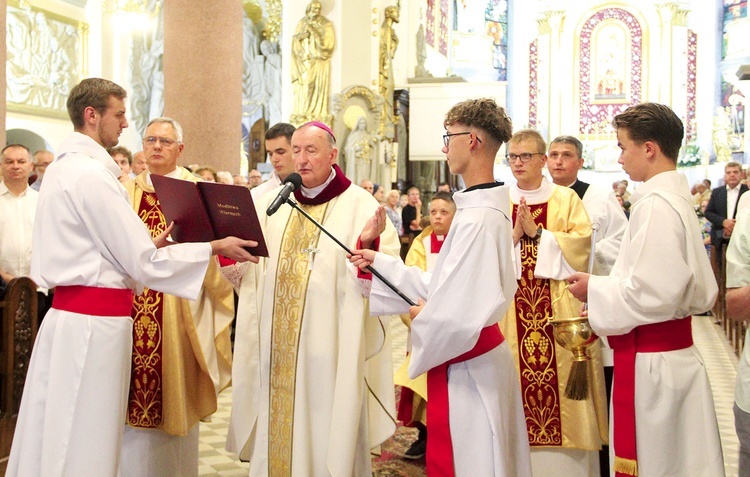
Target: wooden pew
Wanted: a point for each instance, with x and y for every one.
(17, 333)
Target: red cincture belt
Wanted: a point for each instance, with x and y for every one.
(93, 300)
(658, 337)
(439, 445)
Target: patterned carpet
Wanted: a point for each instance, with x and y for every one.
(391, 464)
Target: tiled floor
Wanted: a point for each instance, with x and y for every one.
(720, 360)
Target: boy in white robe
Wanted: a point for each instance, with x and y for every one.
(663, 419)
(73, 408)
(477, 426)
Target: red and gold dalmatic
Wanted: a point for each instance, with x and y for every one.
(552, 420)
(180, 348)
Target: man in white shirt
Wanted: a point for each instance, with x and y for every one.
(71, 417)
(722, 207)
(17, 209)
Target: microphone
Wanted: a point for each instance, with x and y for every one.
(291, 183)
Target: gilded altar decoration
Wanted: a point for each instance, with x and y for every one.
(536, 354)
(388, 45)
(145, 402)
(293, 272)
(46, 58)
(312, 47)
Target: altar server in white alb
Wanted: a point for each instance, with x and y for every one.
(663, 420)
(73, 408)
(474, 413)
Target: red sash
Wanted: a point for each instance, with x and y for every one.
(93, 300)
(658, 337)
(439, 445)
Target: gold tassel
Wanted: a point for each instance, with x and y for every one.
(577, 387)
(625, 466)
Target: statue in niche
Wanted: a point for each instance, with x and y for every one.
(358, 153)
(146, 74)
(272, 80)
(253, 88)
(156, 105)
(420, 71)
(611, 64)
(388, 45)
(312, 46)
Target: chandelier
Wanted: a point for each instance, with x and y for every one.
(135, 14)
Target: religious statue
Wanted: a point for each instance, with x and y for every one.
(312, 47)
(420, 71)
(388, 45)
(358, 152)
(722, 132)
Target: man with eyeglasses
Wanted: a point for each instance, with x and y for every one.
(75, 396)
(552, 237)
(455, 336)
(182, 353)
(41, 159)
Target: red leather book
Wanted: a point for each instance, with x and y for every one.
(205, 211)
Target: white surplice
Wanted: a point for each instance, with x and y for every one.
(344, 355)
(662, 273)
(471, 288)
(73, 407)
(604, 210)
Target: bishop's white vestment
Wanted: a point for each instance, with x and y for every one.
(312, 375)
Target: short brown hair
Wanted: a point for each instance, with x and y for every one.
(281, 129)
(653, 122)
(573, 141)
(94, 92)
(530, 135)
(732, 164)
(121, 150)
(482, 114)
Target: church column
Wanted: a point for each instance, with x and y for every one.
(679, 60)
(557, 68)
(3, 79)
(666, 12)
(203, 78)
(543, 78)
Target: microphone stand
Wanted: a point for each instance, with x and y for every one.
(368, 268)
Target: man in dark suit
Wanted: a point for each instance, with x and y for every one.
(722, 207)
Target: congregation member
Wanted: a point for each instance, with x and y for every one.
(722, 208)
(279, 148)
(254, 178)
(552, 238)
(378, 191)
(74, 402)
(701, 193)
(206, 173)
(367, 185)
(391, 210)
(455, 336)
(123, 157)
(738, 308)
(139, 164)
(663, 420)
(41, 159)
(18, 203)
(224, 177)
(411, 213)
(564, 161)
(240, 180)
(181, 354)
(423, 254)
(444, 187)
(312, 379)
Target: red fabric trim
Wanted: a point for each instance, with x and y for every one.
(94, 301)
(334, 189)
(364, 275)
(225, 262)
(435, 244)
(440, 445)
(655, 338)
(405, 412)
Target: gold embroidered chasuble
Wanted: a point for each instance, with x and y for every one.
(313, 370)
(543, 365)
(181, 349)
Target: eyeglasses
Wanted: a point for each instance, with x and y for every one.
(152, 140)
(524, 156)
(447, 137)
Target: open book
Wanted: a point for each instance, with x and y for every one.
(205, 211)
